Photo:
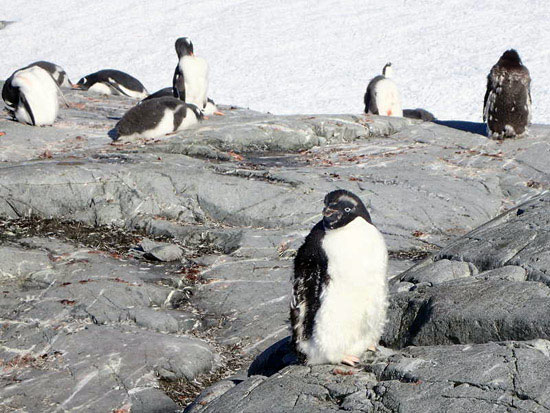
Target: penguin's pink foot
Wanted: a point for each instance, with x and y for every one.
(350, 360)
(219, 113)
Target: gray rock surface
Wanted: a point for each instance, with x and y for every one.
(520, 237)
(79, 331)
(492, 377)
(235, 197)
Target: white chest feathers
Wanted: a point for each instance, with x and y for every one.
(387, 97)
(353, 307)
(40, 91)
(195, 76)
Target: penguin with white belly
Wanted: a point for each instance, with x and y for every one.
(340, 290)
(382, 96)
(190, 80)
(55, 71)
(113, 82)
(507, 102)
(157, 117)
(31, 96)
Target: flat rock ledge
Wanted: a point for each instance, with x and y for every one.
(208, 221)
(492, 377)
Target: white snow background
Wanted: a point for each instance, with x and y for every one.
(295, 56)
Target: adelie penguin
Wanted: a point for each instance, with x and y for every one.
(382, 96)
(190, 81)
(155, 118)
(31, 96)
(339, 303)
(507, 102)
(113, 82)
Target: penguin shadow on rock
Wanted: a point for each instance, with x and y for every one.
(340, 290)
(465, 126)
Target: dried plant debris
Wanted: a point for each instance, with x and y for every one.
(413, 255)
(111, 239)
(184, 391)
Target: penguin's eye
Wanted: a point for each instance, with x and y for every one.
(348, 209)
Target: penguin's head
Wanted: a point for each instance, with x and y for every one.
(510, 58)
(184, 47)
(387, 71)
(199, 114)
(82, 83)
(342, 207)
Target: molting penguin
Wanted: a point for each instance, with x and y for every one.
(382, 96)
(507, 102)
(190, 80)
(157, 117)
(340, 299)
(113, 82)
(57, 72)
(31, 95)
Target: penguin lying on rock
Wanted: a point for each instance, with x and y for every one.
(155, 118)
(209, 109)
(340, 292)
(112, 82)
(31, 96)
(56, 72)
(382, 96)
(507, 102)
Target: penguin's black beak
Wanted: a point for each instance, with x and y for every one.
(330, 216)
(328, 212)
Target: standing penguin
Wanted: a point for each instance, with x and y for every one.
(339, 303)
(55, 71)
(382, 96)
(31, 95)
(507, 102)
(157, 117)
(113, 82)
(190, 82)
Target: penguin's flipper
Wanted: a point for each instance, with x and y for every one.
(23, 100)
(178, 84)
(62, 95)
(367, 101)
(487, 92)
(116, 88)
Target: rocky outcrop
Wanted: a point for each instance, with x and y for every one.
(206, 223)
(492, 377)
(468, 326)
